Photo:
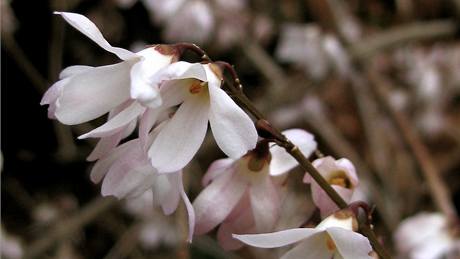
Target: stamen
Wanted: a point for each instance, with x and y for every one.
(340, 178)
(196, 87)
(330, 244)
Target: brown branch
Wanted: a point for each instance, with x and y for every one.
(367, 47)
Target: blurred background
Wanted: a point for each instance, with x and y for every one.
(375, 81)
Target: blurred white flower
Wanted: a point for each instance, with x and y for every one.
(11, 247)
(425, 236)
(306, 46)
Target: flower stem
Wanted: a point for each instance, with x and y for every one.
(295, 152)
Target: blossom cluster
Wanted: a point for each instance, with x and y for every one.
(170, 102)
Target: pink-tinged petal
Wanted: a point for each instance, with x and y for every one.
(93, 93)
(314, 247)
(277, 239)
(172, 195)
(265, 203)
(130, 175)
(104, 146)
(232, 128)
(240, 221)
(322, 200)
(126, 179)
(88, 28)
(350, 244)
(190, 211)
(217, 200)
(53, 93)
(73, 70)
(102, 166)
(349, 169)
(181, 137)
(281, 161)
(146, 123)
(215, 169)
(116, 123)
(51, 96)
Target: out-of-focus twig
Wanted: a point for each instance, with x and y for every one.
(438, 188)
(68, 226)
(367, 47)
(126, 243)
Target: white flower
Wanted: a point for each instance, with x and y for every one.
(340, 174)
(425, 236)
(127, 173)
(85, 93)
(241, 195)
(197, 89)
(332, 238)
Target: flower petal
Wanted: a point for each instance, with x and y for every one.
(190, 211)
(265, 203)
(217, 200)
(181, 137)
(314, 247)
(232, 128)
(277, 239)
(88, 28)
(102, 166)
(119, 121)
(240, 220)
(93, 93)
(281, 161)
(104, 146)
(350, 244)
(179, 70)
(73, 70)
(122, 182)
(142, 87)
(171, 195)
(215, 169)
(147, 121)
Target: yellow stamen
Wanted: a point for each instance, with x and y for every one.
(196, 87)
(340, 178)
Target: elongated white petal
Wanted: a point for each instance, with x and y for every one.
(181, 137)
(119, 121)
(104, 146)
(88, 28)
(73, 70)
(281, 161)
(217, 200)
(190, 210)
(265, 204)
(132, 182)
(93, 93)
(277, 239)
(215, 169)
(350, 244)
(51, 97)
(147, 121)
(314, 247)
(179, 70)
(102, 166)
(241, 224)
(171, 197)
(232, 128)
